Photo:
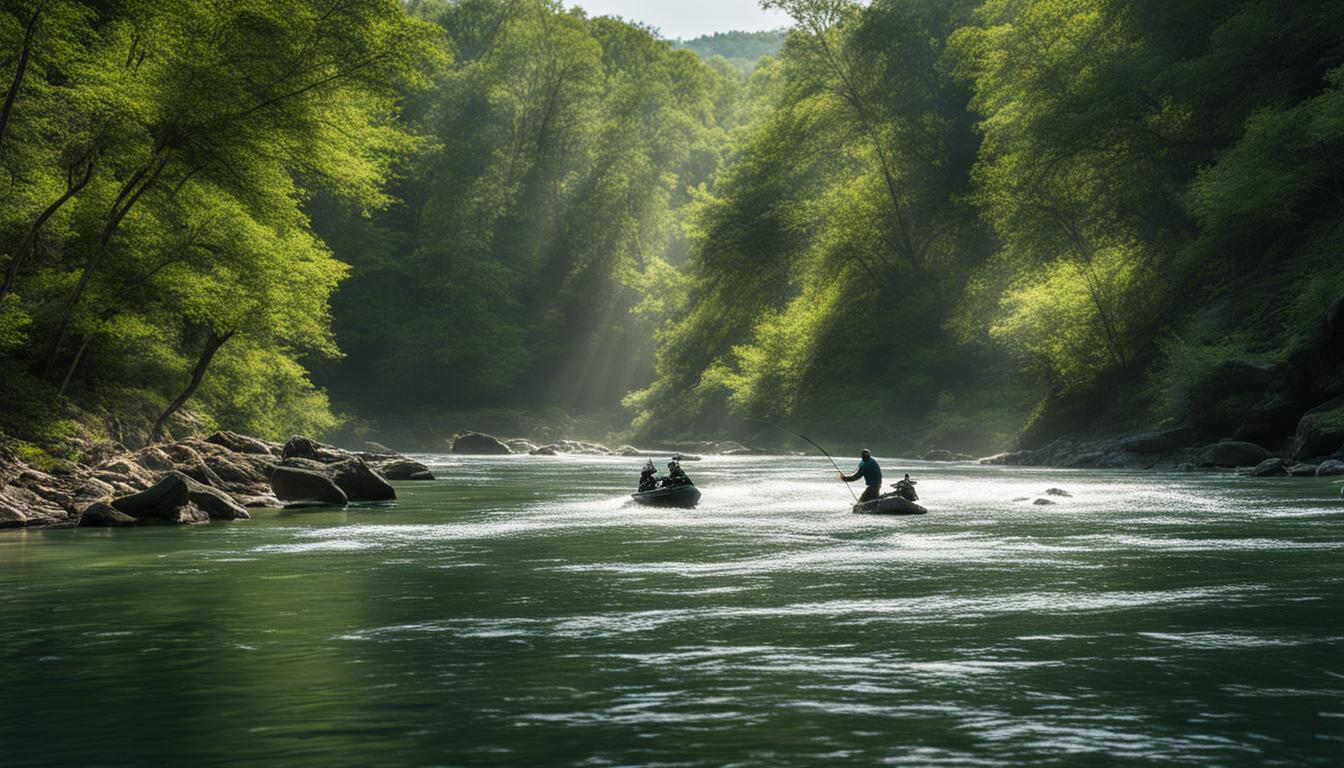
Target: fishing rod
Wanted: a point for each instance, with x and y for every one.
(814, 443)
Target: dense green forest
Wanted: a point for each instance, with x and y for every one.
(743, 49)
(924, 222)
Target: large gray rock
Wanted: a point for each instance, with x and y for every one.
(294, 484)
(216, 503)
(240, 443)
(169, 501)
(302, 447)
(160, 502)
(404, 469)
(1234, 453)
(1270, 468)
(105, 516)
(477, 444)
(1330, 468)
(1321, 431)
(359, 482)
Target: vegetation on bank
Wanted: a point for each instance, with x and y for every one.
(920, 222)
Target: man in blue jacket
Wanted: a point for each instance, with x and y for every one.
(871, 474)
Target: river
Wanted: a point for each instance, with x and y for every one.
(522, 612)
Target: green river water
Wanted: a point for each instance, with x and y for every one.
(522, 612)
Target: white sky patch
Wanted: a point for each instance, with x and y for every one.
(686, 19)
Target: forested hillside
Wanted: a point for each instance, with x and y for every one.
(960, 222)
(743, 49)
(923, 223)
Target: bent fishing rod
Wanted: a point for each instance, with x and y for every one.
(815, 444)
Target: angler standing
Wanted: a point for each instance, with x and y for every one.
(871, 474)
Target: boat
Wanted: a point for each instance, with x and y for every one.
(676, 496)
(890, 504)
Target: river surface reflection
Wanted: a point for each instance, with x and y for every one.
(522, 612)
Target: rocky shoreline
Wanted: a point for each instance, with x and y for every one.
(196, 480)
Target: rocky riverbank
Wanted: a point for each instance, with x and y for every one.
(196, 480)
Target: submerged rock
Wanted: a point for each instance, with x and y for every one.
(1059, 492)
(1043, 503)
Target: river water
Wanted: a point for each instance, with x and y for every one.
(521, 612)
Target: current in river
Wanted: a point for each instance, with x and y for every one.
(521, 611)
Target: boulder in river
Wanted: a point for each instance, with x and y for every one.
(216, 503)
(1270, 468)
(1233, 453)
(477, 444)
(359, 482)
(1330, 468)
(404, 469)
(1043, 503)
(103, 515)
(1059, 492)
(294, 484)
(1303, 470)
(179, 499)
(520, 445)
(1321, 431)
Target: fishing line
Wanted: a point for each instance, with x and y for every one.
(815, 444)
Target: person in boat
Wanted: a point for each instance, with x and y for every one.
(906, 488)
(871, 474)
(648, 479)
(675, 475)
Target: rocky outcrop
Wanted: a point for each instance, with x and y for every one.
(104, 515)
(359, 482)
(293, 484)
(1270, 468)
(237, 443)
(403, 469)
(519, 445)
(222, 476)
(1233, 453)
(168, 502)
(477, 444)
(302, 447)
(1320, 433)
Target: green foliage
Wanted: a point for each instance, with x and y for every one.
(157, 159)
(742, 49)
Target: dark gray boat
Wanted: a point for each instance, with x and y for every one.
(891, 504)
(676, 496)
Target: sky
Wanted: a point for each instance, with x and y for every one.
(686, 19)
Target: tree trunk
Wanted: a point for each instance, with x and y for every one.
(129, 195)
(212, 345)
(19, 73)
(72, 187)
